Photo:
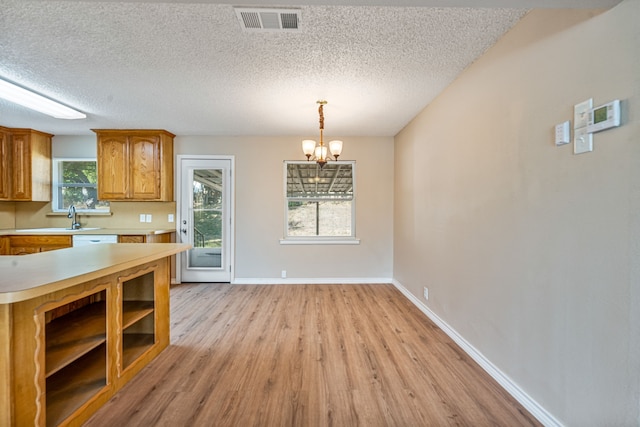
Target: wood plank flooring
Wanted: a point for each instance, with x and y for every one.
(307, 355)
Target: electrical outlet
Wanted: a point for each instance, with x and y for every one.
(284, 274)
(170, 218)
(148, 217)
(143, 218)
(426, 293)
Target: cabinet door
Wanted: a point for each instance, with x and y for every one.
(145, 167)
(21, 166)
(131, 239)
(113, 174)
(5, 246)
(4, 164)
(159, 238)
(30, 244)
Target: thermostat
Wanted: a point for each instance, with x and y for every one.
(604, 117)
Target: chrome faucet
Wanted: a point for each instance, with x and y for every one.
(75, 225)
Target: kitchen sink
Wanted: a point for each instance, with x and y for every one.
(53, 230)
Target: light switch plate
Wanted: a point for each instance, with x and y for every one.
(583, 141)
(143, 218)
(581, 113)
(148, 217)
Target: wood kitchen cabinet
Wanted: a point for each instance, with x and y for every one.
(5, 163)
(4, 245)
(146, 238)
(25, 165)
(135, 165)
(23, 245)
(71, 338)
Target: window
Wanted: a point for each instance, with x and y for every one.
(320, 202)
(75, 183)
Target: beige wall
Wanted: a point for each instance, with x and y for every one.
(123, 214)
(259, 209)
(530, 252)
(7, 215)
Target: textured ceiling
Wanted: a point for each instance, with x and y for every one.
(190, 68)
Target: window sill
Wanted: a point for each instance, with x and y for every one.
(320, 241)
(79, 213)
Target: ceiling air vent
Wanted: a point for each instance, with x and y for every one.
(259, 19)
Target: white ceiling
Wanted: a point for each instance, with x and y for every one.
(188, 67)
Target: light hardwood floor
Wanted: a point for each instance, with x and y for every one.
(307, 355)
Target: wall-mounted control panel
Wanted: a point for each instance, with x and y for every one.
(604, 117)
(563, 133)
(587, 121)
(582, 140)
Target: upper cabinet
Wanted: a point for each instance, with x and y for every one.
(25, 165)
(135, 165)
(5, 163)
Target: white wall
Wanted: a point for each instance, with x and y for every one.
(530, 252)
(259, 210)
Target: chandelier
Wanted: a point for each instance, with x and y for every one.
(319, 152)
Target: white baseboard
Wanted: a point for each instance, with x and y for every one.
(311, 281)
(511, 387)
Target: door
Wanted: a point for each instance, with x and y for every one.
(205, 218)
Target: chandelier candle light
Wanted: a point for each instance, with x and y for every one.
(319, 152)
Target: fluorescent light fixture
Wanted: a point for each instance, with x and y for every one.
(36, 102)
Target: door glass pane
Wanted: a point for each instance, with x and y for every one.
(207, 219)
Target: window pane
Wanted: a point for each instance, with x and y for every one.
(74, 172)
(319, 201)
(309, 180)
(85, 198)
(77, 185)
(319, 218)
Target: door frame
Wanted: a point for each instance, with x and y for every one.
(232, 205)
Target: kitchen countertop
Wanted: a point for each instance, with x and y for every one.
(96, 231)
(25, 277)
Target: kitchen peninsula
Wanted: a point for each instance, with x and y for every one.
(76, 324)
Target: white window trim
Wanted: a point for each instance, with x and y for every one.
(319, 240)
(55, 168)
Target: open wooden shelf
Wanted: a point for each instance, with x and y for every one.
(76, 384)
(132, 311)
(73, 335)
(134, 345)
(138, 317)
